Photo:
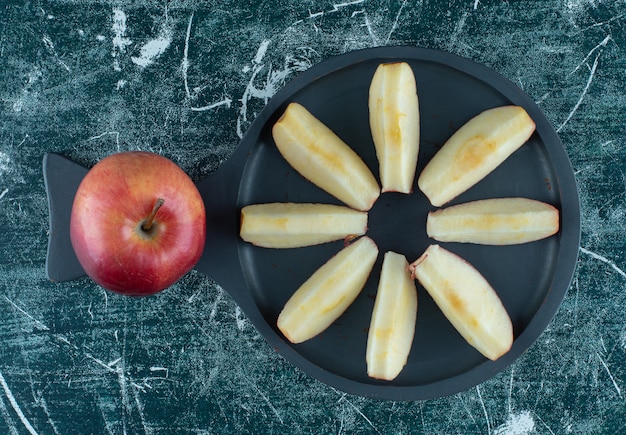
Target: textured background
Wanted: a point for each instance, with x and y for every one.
(185, 79)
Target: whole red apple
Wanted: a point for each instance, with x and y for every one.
(138, 223)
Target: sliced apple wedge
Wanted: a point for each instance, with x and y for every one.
(466, 299)
(392, 327)
(473, 151)
(328, 292)
(292, 225)
(497, 221)
(395, 125)
(320, 156)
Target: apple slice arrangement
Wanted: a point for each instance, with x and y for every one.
(462, 294)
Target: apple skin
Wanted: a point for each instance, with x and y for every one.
(113, 201)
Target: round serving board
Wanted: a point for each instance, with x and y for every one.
(531, 279)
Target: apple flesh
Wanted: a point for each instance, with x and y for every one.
(328, 292)
(467, 300)
(497, 221)
(474, 151)
(392, 326)
(394, 123)
(293, 225)
(138, 223)
(320, 156)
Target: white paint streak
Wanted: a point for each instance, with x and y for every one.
(617, 388)
(185, 69)
(18, 105)
(120, 41)
(123, 392)
(114, 362)
(213, 312)
(601, 44)
(63, 339)
(269, 403)
(48, 42)
(193, 297)
(101, 363)
(4, 192)
(338, 6)
(261, 51)
(5, 163)
(582, 95)
(368, 25)
(116, 366)
(107, 423)
(15, 406)
(517, 424)
(185, 64)
(395, 23)
(154, 48)
(548, 427)
(274, 80)
(240, 319)
(225, 102)
(38, 324)
(140, 407)
(476, 3)
(117, 143)
(577, 7)
(458, 29)
(604, 260)
(469, 412)
(603, 23)
(161, 369)
(105, 293)
(480, 397)
(359, 412)
(510, 390)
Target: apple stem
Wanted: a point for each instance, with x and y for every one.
(148, 223)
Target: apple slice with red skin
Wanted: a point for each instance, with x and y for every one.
(138, 223)
(466, 299)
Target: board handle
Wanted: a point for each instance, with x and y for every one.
(61, 177)
(220, 258)
(219, 192)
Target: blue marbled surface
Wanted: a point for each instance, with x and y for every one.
(185, 79)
